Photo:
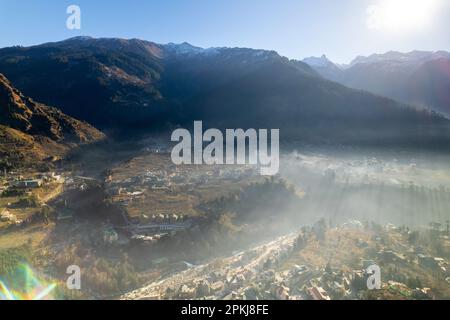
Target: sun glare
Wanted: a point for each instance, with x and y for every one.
(401, 15)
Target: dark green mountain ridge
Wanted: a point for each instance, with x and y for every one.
(135, 84)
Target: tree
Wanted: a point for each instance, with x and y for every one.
(328, 269)
(320, 229)
(413, 237)
(45, 214)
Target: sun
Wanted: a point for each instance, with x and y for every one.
(401, 15)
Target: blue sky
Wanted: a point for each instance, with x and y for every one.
(295, 28)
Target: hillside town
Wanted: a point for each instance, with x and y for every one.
(135, 210)
(24, 193)
(284, 270)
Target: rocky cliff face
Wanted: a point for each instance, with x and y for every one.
(31, 131)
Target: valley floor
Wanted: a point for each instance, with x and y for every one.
(199, 232)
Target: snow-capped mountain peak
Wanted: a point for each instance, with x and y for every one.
(322, 61)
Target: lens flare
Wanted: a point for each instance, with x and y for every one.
(25, 285)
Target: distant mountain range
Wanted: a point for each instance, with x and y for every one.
(135, 84)
(31, 132)
(324, 66)
(421, 78)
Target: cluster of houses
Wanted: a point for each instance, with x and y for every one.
(176, 176)
(166, 218)
(237, 281)
(162, 224)
(256, 275)
(154, 238)
(366, 170)
(19, 182)
(15, 182)
(434, 263)
(151, 179)
(27, 184)
(303, 282)
(299, 283)
(80, 183)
